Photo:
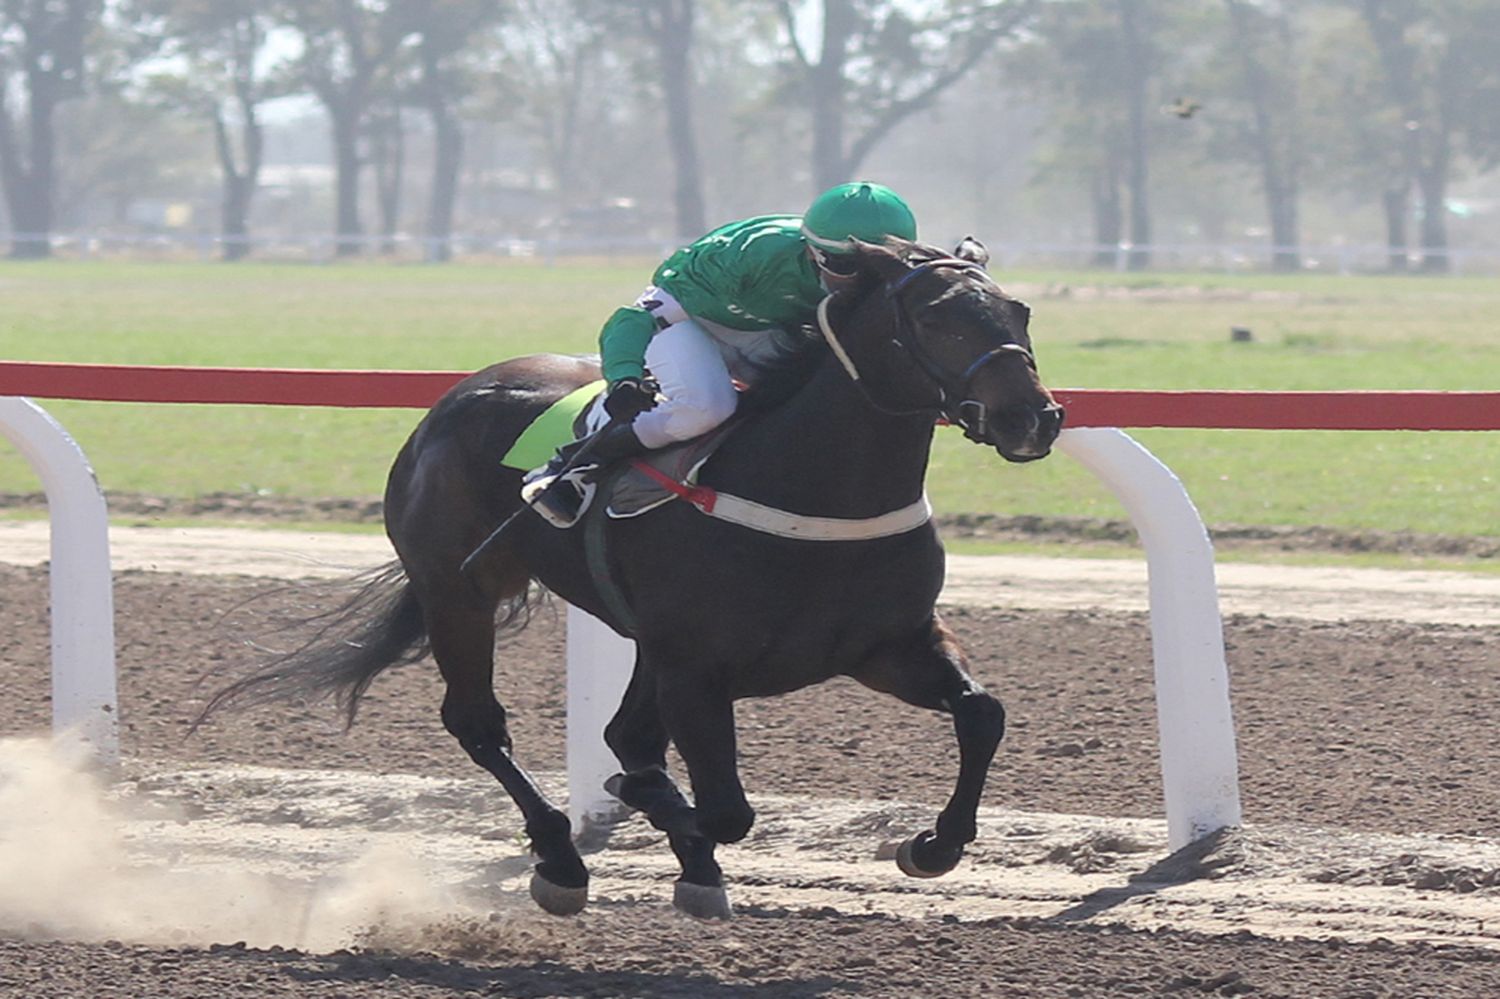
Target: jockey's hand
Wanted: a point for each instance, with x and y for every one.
(630, 397)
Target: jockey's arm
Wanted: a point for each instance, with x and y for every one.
(622, 343)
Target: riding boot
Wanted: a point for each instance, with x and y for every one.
(562, 497)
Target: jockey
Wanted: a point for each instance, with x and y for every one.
(717, 310)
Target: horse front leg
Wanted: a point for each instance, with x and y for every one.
(929, 671)
(639, 741)
(463, 644)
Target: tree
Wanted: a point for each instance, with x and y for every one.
(1092, 58)
(1438, 63)
(879, 63)
(669, 24)
(42, 64)
(385, 130)
(220, 48)
(1136, 62)
(446, 32)
(1262, 36)
(560, 77)
(347, 46)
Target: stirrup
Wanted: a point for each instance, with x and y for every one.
(560, 505)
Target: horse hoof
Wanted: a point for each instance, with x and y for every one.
(701, 901)
(906, 858)
(556, 899)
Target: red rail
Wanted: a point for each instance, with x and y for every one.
(1227, 410)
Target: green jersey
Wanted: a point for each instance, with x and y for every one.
(748, 275)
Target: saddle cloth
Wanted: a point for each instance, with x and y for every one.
(636, 489)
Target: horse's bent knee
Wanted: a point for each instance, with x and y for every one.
(726, 825)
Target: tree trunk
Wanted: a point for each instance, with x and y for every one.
(29, 177)
(447, 157)
(826, 81)
(1285, 237)
(1433, 182)
(348, 163)
(1274, 117)
(1395, 201)
(1108, 213)
(1137, 170)
(235, 228)
(1399, 61)
(239, 184)
(388, 151)
(30, 204)
(674, 46)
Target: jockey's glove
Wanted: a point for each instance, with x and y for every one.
(630, 397)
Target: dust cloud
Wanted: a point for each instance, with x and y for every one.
(77, 864)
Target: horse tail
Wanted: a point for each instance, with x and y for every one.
(380, 626)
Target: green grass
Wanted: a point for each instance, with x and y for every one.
(1092, 330)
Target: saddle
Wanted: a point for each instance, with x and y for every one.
(663, 475)
(639, 485)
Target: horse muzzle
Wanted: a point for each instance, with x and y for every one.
(1024, 434)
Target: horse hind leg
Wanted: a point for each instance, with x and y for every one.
(929, 672)
(463, 640)
(639, 740)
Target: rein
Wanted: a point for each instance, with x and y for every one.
(969, 414)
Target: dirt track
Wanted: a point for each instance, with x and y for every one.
(1044, 906)
(1318, 593)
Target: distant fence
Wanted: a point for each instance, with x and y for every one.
(1220, 257)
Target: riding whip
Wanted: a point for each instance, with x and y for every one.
(585, 449)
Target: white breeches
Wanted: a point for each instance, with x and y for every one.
(696, 364)
(695, 383)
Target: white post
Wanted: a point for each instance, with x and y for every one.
(599, 667)
(84, 699)
(1200, 773)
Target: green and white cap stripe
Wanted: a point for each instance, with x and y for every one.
(831, 245)
(859, 210)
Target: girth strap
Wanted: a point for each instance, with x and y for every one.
(595, 552)
(782, 524)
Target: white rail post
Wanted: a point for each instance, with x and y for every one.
(1200, 772)
(84, 698)
(599, 666)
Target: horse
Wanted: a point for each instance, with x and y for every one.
(718, 610)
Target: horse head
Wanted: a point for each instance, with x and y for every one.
(949, 340)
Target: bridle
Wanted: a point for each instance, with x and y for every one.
(969, 414)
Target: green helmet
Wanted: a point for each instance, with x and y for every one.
(863, 211)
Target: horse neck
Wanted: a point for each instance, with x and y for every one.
(829, 452)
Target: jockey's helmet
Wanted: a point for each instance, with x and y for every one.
(860, 210)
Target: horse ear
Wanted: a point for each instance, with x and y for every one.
(883, 260)
(972, 250)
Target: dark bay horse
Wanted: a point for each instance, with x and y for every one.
(718, 611)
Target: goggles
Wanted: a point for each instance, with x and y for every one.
(839, 265)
